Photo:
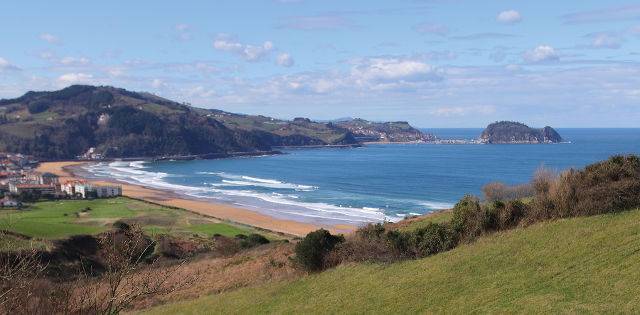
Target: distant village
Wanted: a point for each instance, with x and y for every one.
(20, 183)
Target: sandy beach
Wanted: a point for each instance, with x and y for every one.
(207, 208)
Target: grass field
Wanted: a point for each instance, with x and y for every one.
(580, 265)
(63, 218)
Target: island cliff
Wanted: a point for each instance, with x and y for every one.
(515, 132)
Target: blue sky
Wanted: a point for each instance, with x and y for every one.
(433, 63)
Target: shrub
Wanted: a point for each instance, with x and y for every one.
(253, 240)
(431, 239)
(370, 243)
(177, 248)
(121, 225)
(468, 218)
(603, 187)
(608, 186)
(497, 191)
(225, 246)
(511, 214)
(313, 248)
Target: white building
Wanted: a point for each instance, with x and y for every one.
(69, 187)
(83, 190)
(108, 191)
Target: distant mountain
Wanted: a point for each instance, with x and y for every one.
(398, 131)
(119, 123)
(515, 132)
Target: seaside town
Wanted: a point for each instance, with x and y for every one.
(21, 183)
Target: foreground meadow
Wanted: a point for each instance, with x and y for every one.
(587, 264)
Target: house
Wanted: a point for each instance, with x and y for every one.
(7, 202)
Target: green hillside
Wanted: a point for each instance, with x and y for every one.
(587, 264)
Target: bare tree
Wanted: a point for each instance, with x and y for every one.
(127, 273)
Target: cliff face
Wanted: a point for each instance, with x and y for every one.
(515, 132)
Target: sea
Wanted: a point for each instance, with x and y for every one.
(373, 183)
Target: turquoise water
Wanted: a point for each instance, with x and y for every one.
(371, 183)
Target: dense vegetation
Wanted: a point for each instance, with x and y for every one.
(515, 132)
(605, 187)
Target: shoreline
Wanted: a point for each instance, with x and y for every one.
(215, 210)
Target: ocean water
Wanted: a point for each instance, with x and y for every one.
(371, 183)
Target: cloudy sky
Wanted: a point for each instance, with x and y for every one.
(439, 63)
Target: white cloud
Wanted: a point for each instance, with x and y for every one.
(182, 27)
(74, 61)
(6, 65)
(157, 83)
(73, 78)
(49, 38)
(246, 51)
(431, 28)
(541, 53)
(317, 22)
(621, 13)
(449, 111)
(183, 31)
(509, 17)
(605, 40)
(392, 69)
(285, 60)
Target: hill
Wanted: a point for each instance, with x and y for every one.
(515, 132)
(397, 131)
(119, 123)
(586, 264)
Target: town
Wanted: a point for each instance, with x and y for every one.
(21, 183)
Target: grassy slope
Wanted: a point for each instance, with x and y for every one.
(578, 265)
(57, 219)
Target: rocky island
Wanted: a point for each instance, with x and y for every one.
(514, 132)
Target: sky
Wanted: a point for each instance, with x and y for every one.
(438, 63)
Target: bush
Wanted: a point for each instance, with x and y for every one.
(313, 248)
(253, 240)
(603, 187)
(511, 214)
(498, 191)
(432, 239)
(177, 248)
(608, 186)
(121, 225)
(468, 218)
(225, 246)
(370, 243)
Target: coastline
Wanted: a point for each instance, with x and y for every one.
(211, 209)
